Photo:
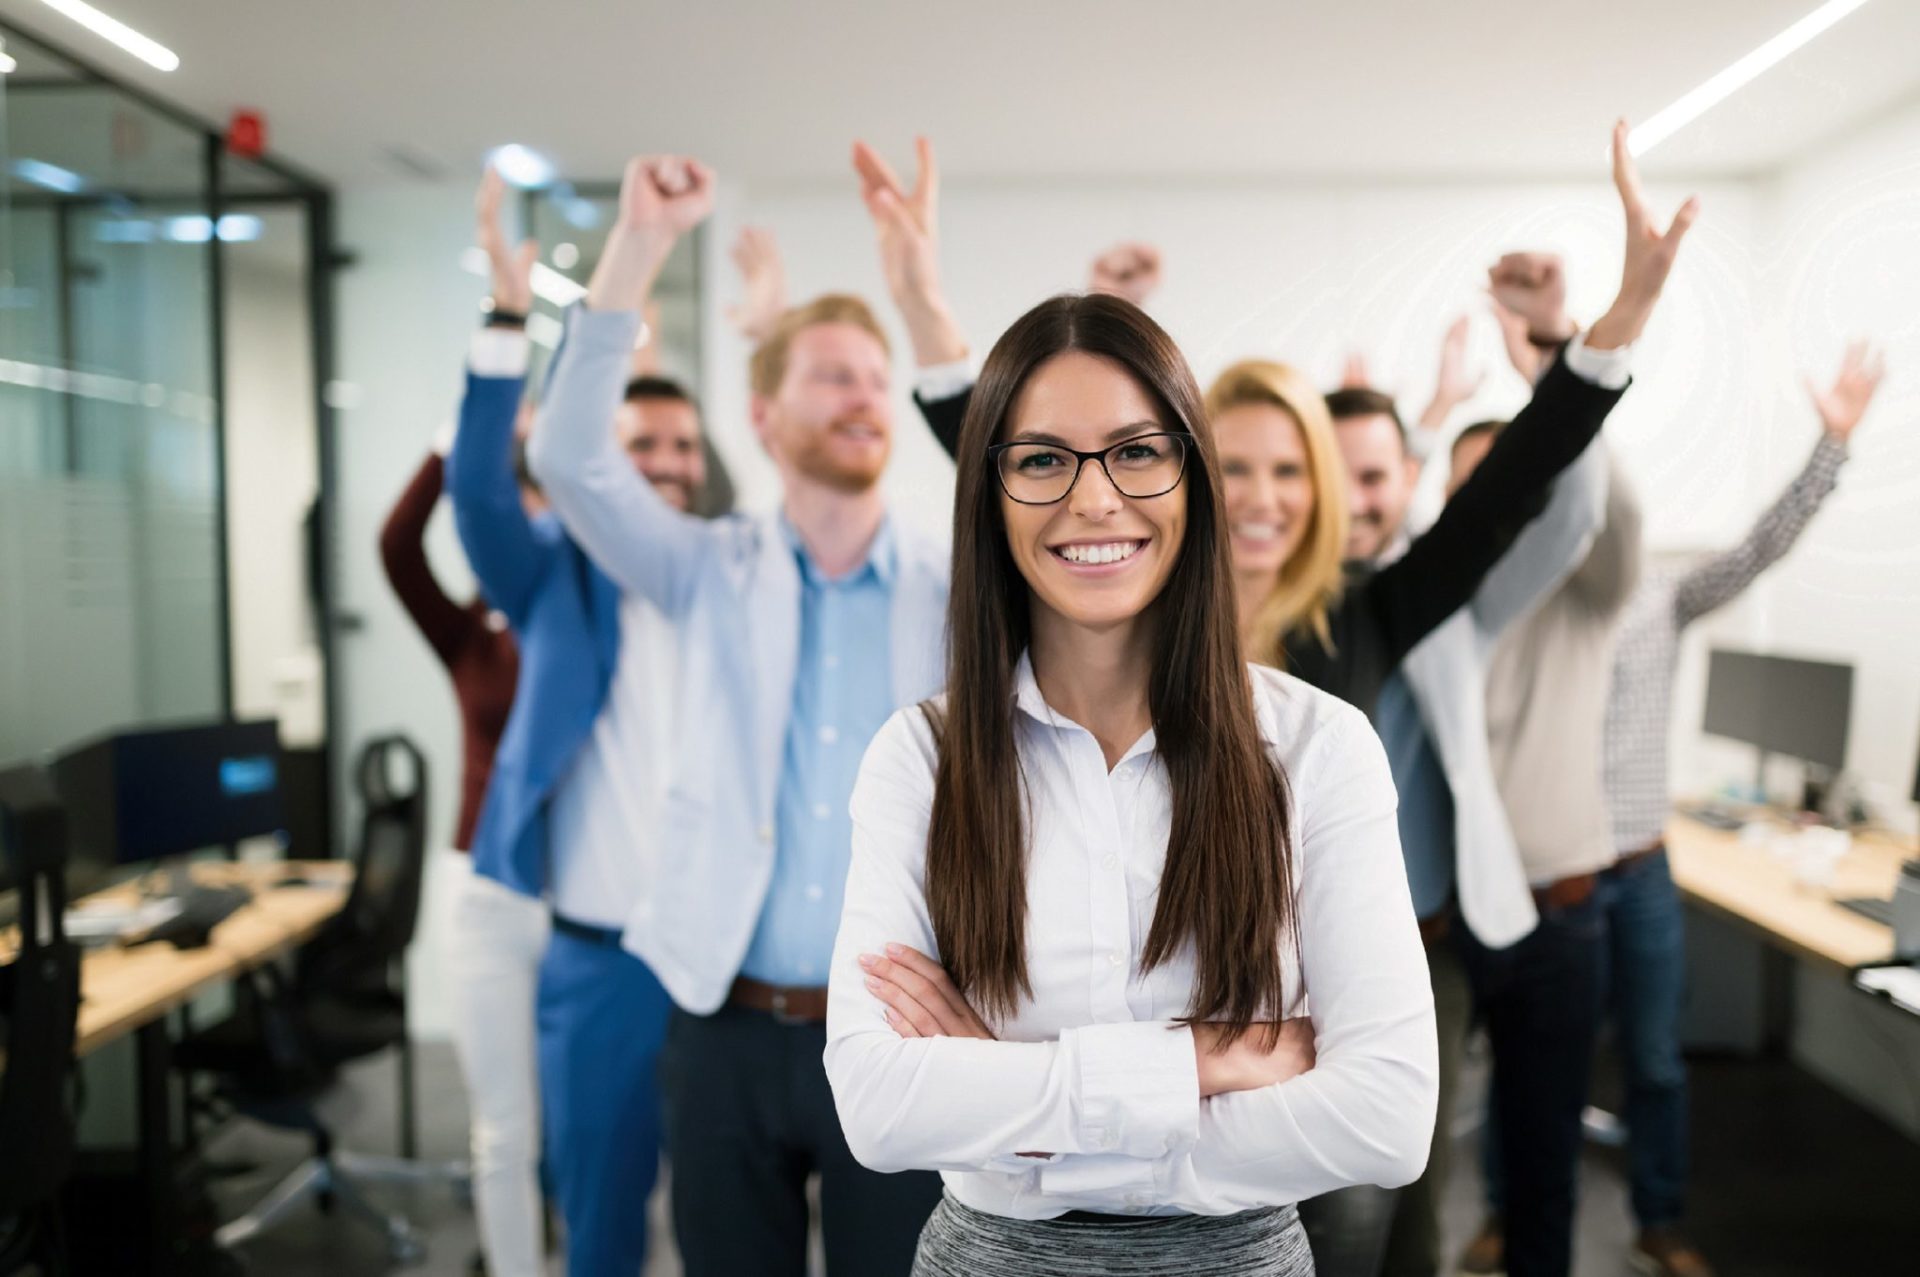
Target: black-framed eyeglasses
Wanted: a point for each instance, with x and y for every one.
(1148, 465)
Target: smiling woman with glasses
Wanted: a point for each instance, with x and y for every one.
(1095, 882)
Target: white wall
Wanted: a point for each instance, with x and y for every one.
(272, 475)
(1303, 273)
(1837, 255)
(406, 311)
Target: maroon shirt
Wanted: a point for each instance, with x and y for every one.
(484, 661)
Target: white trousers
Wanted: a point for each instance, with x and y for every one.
(495, 940)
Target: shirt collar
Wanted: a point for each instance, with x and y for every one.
(883, 556)
(1028, 700)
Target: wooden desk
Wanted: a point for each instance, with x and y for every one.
(123, 989)
(130, 991)
(1749, 884)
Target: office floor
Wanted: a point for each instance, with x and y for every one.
(1792, 1181)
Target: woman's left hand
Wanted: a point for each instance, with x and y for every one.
(920, 998)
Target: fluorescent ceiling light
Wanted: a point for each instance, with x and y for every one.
(7, 64)
(1665, 123)
(149, 51)
(522, 166)
(548, 283)
(197, 228)
(51, 176)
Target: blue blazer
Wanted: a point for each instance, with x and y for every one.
(565, 613)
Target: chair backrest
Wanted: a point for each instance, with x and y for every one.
(39, 998)
(377, 923)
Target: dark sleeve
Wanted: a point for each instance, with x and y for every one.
(944, 416)
(403, 552)
(1443, 568)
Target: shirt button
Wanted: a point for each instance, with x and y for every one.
(828, 735)
(1137, 1199)
(831, 661)
(1111, 862)
(814, 892)
(766, 833)
(822, 812)
(1113, 959)
(806, 968)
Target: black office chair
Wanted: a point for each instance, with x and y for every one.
(345, 1000)
(39, 1006)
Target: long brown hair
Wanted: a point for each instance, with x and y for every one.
(1227, 885)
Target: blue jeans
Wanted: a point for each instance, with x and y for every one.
(1646, 982)
(602, 1020)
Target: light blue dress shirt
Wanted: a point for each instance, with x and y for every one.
(842, 695)
(1426, 801)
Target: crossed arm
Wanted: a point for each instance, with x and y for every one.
(1119, 1107)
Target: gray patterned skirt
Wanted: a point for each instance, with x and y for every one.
(962, 1242)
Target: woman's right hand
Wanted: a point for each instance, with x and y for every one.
(1247, 1063)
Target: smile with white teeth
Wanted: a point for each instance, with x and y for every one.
(858, 430)
(1257, 531)
(1104, 552)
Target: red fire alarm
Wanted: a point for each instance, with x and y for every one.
(247, 135)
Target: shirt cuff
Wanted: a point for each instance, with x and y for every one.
(1421, 443)
(943, 381)
(498, 352)
(1139, 1087)
(1607, 369)
(443, 438)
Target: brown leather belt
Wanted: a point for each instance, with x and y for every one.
(1565, 893)
(787, 1005)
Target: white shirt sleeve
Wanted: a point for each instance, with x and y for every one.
(1607, 369)
(943, 381)
(1364, 1113)
(498, 352)
(964, 1104)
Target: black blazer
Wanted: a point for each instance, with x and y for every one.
(1383, 614)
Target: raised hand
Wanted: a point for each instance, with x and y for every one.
(1534, 287)
(1650, 253)
(907, 222)
(764, 278)
(1129, 270)
(1843, 404)
(511, 269)
(661, 198)
(1354, 373)
(1528, 359)
(921, 1000)
(906, 225)
(1456, 384)
(668, 194)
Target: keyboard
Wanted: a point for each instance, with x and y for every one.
(1880, 911)
(1713, 817)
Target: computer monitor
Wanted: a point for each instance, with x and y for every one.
(143, 795)
(1781, 705)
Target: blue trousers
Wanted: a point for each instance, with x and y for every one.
(1646, 984)
(603, 1017)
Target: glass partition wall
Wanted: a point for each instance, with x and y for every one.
(134, 588)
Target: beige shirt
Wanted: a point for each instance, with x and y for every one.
(1547, 705)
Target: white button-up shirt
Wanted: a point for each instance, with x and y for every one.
(1092, 1070)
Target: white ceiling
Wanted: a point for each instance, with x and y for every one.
(774, 90)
